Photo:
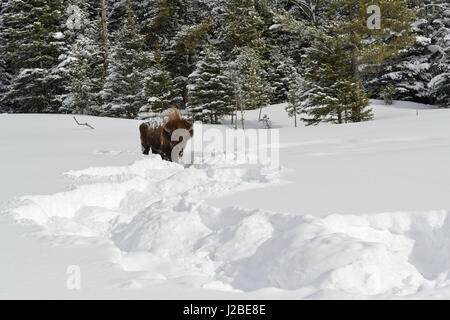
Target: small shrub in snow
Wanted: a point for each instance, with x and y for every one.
(388, 94)
(266, 122)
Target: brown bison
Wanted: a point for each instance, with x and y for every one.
(160, 134)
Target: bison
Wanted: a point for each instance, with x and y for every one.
(157, 134)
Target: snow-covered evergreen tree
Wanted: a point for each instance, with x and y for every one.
(258, 90)
(409, 74)
(5, 70)
(330, 92)
(5, 82)
(160, 88)
(439, 85)
(210, 88)
(245, 22)
(415, 73)
(48, 67)
(124, 92)
(254, 78)
(116, 13)
(279, 74)
(296, 87)
(32, 42)
(182, 55)
(179, 27)
(82, 63)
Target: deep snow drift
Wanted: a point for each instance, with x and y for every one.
(356, 211)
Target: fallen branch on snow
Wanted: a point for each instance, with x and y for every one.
(83, 124)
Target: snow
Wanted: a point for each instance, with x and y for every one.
(58, 35)
(356, 211)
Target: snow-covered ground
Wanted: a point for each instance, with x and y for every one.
(356, 211)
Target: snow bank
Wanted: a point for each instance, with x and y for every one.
(155, 213)
(154, 229)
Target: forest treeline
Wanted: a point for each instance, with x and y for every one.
(216, 58)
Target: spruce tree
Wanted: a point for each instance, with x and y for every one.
(124, 91)
(210, 88)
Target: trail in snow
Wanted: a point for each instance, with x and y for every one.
(155, 212)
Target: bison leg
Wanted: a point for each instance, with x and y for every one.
(143, 131)
(145, 150)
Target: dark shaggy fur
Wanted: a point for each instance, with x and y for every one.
(158, 137)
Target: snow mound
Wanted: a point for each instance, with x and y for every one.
(156, 214)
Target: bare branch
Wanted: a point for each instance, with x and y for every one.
(83, 124)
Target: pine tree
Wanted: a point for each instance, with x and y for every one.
(245, 22)
(239, 81)
(180, 28)
(331, 93)
(181, 55)
(83, 63)
(343, 50)
(116, 13)
(366, 46)
(124, 90)
(293, 108)
(210, 88)
(279, 74)
(159, 88)
(258, 87)
(5, 69)
(413, 71)
(439, 85)
(32, 42)
(409, 74)
(5, 82)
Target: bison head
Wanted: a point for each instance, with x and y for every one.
(176, 134)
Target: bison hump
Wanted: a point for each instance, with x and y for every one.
(156, 122)
(161, 119)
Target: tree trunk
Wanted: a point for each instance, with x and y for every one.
(295, 115)
(355, 67)
(339, 114)
(242, 116)
(105, 37)
(356, 114)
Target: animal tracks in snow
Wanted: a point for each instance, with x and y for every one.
(155, 214)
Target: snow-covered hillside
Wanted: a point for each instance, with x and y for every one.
(356, 211)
